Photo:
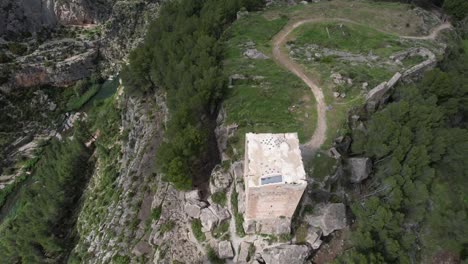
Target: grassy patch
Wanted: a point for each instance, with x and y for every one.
(197, 230)
(348, 37)
(166, 227)
(413, 60)
(213, 256)
(221, 229)
(219, 198)
(321, 166)
(238, 218)
(156, 213)
(76, 102)
(301, 234)
(17, 48)
(272, 99)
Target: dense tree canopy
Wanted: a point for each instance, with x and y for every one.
(415, 206)
(37, 229)
(182, 54)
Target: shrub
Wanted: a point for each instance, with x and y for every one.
(166, 227)
(4, 58)
(197, 230)
(219, 198)
(213, 256)
(156, 213)
(17, 48)
(221, 229)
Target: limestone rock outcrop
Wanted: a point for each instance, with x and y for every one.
(212, 216)
(360, 168)
(243, 255)
(225, 250)
(330, 217)
(255, 54)
(291, 254)
(220, 179)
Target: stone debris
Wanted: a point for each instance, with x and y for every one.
(225, 250)
(330, 217)
(212, 216)
(208, 219)
(313, 237)
(220, 180)
(337, 78)
(360, 169)
(255, 54)
(290, 254)
(220, 212)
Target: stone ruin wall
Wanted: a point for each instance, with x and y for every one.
(378, 95)
(273, 201)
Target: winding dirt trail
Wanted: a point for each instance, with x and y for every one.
(319, 136)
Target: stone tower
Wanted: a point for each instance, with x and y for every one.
(274, 179)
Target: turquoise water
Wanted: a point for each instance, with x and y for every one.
(108, 88)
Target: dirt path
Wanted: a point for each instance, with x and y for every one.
(434, 32)
(319, 136)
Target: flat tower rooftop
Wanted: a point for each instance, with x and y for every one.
(273, 159)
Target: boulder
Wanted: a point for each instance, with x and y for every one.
(208, 219)
(225, 250)
(193, 196)
(330, 217)
(243, 255)
(220, 180)
(220, 212)
(193, 210)
(291, 254)
(360, 169)
(255, 54)
(313, 237)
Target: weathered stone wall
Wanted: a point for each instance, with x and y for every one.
(379, 94)
(273, 201)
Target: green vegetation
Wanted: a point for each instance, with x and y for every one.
(4, 58)
(83, 90)
(197, 230)
(238, 218)
(156, 213)
(167, 226)
(219, 198)
(322, 165)
(301, 234)
(38, 228)
(221, 230)
(213, 256)
(457, 8)
(119, 259)
(348, 37)
(356, 39)
(262, 102)
(17, 48)
(103, 189)
(415, 207)
(185, 39)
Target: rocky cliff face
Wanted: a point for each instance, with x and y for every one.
(32, 32)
